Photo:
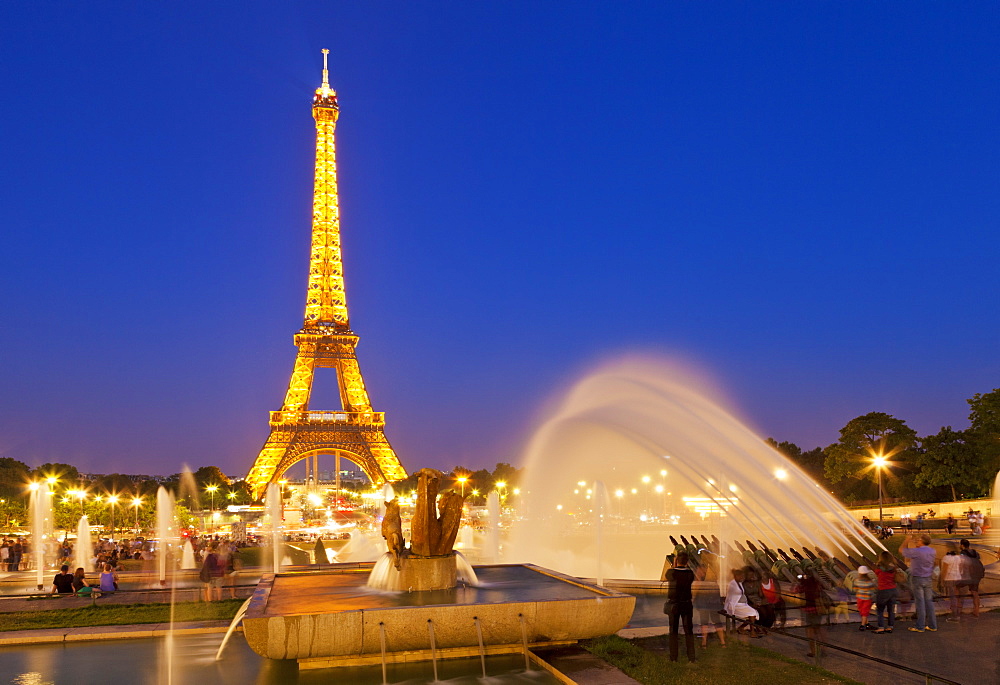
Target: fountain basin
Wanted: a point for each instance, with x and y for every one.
(329, 617)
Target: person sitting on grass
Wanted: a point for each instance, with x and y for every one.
(63, 582)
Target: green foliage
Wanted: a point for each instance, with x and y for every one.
(949, 459)
(812, 462)
(984, 431)
(863, 438)
(117, 614)
(14, 477)
(210, 475)
(67, 474)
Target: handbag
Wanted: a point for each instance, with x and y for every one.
(899, 577)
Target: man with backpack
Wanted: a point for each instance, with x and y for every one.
(972, 573)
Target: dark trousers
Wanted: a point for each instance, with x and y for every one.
(681, 611)
(885, 602)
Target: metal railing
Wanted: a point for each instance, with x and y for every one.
(351, 418)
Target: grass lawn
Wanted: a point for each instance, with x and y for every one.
(892, 544)
(119, 614)
(737, 663)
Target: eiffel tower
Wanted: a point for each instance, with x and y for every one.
(325, 341)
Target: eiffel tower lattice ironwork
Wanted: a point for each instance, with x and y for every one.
(326, 341)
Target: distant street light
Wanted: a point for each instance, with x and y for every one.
(212, 489)
(462, 480)
(137, 502)
(879, 461)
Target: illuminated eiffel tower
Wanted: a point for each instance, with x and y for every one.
(325, 341)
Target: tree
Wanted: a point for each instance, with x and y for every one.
(66, 474)
(863, 438)
(811, 462)
(505, 473)
(14, 477)
(210, 475)
(984, 431)
(114, 484)
(949, 458)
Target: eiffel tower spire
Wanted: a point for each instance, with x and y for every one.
(326, 340)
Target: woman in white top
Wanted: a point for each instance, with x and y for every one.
(736, 599)
(951, 575)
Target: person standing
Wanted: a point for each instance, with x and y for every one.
(811, 590)
(680, 607)
(922, 560)
(951, 576)
(885, 595)
(211, 574)
(972, 574)
(771, 589)
(864, 591)
(15, 555)
(950, 524)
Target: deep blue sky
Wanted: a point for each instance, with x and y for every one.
(800, 198)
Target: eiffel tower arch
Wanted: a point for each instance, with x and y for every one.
(325, 341)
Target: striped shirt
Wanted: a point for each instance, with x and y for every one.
(864, 588)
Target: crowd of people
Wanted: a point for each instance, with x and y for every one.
(755, 596)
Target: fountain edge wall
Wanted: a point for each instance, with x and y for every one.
(355, 633)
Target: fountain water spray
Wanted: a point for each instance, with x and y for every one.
(40, 505)
(640, 423)
(600, 497)
(187, 556)
(166, 530)
(84, 550)
(274, 513)
(493, 527)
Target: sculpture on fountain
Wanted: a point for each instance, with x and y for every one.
(429, 563)
(392, 531)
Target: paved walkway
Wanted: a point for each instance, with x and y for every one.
(966, 652)
(91, 633)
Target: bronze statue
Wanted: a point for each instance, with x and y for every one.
(392, 531)
(432, 534)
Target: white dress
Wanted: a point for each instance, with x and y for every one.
(736, 602)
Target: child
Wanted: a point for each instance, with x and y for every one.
(864, 590)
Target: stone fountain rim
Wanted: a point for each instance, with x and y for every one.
(258, 601)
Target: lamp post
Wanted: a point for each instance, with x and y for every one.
(137, 502)
(879, 461)
(212, 489)
(462, 480)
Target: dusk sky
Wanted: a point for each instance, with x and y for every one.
(799, 199)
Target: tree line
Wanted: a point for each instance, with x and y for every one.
(114, 498)
(949, 465)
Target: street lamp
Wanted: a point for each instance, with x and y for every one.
(462, 480)
(136, 502)
(879, 461)
(212, 489)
